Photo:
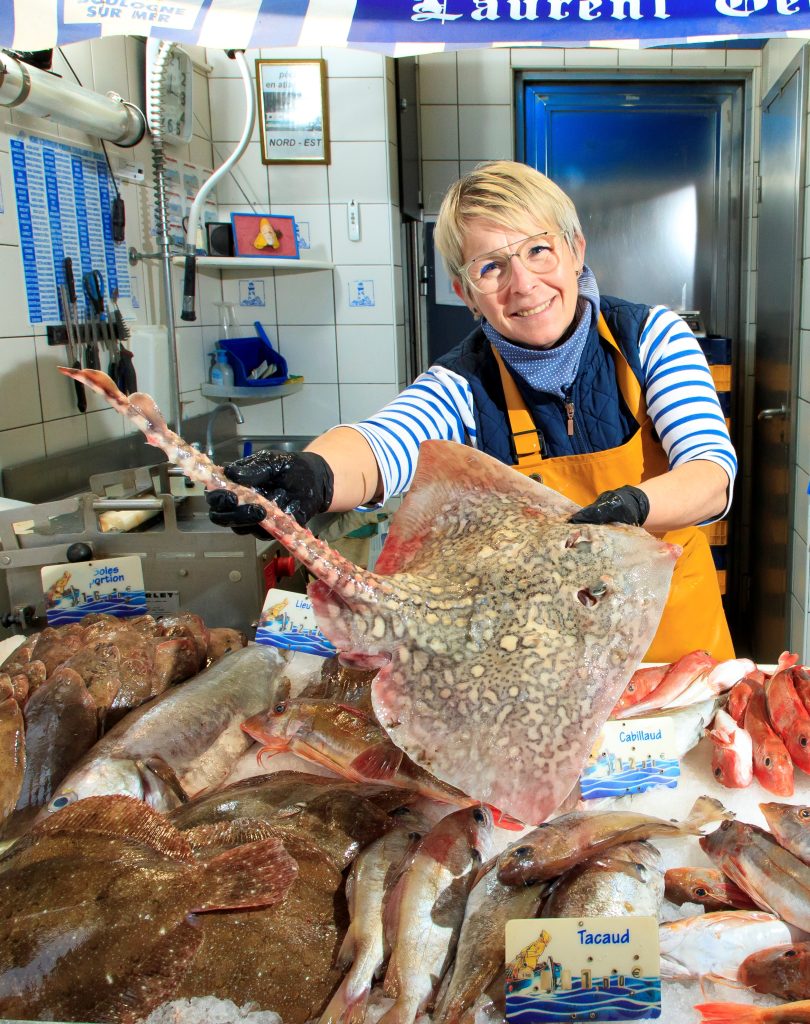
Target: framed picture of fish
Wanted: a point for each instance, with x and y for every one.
(263, 235)
(293, 111)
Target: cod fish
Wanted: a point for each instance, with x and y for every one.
(96, 906)
(479, 951)
(427, 905)
(774, 879)
(504, 634)
(553, 848)
(183, 742)
(374, 873)
(782, 971)
(624, 880)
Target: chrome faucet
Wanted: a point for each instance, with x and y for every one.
(209, 434)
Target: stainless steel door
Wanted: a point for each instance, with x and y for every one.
(778, 296)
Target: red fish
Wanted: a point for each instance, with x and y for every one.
(739, 1013)
(679, 676)
(740, 694)
(789, 717)
(732, 754)
(773, 768)
(642, 682)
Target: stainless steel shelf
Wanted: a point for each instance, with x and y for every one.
(257, 264)
(257, 394)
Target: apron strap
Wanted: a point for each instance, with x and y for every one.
(525, 435)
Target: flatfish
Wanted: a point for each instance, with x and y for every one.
(503, 633)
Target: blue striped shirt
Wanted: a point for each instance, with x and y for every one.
(678, 387)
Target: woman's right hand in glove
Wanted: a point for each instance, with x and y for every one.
(300, 483)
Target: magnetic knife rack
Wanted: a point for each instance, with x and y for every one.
(57, 334)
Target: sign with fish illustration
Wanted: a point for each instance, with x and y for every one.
(632, 757)
(112, 586)
(288, 621)
(582, 968)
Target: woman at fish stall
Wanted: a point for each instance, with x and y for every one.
(607, 401)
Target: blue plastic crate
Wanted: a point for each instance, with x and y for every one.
(245, 354)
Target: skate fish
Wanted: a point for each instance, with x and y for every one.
(504, 634)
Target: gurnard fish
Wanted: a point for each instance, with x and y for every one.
(739, 1013)
(732, 752)
(624, 880)
(479, 951)
(789, 717)
(740, 694)
(349, 743)
(774, 879)
(96, 904)
(373, 875)
(183, 742)
(675, 680)
(790, 823)
(504, 635)
(695, 677)
(563, 842)
(773, 768)
(707, 886)
(642, 682)
(712, 946)
(782, 971)
(426, 910)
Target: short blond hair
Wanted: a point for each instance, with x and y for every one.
(509, 194)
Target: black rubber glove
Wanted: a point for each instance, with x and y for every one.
(300, 483)
(626, 504)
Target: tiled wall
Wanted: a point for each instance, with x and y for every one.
(37, 411)
(467, 115)
(351, 356)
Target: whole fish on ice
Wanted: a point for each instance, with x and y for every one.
(504, 634)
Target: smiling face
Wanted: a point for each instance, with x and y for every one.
(531, 309)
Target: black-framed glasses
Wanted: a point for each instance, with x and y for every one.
(489, 273)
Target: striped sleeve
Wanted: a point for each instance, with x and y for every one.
(681, 396)
(438, 406)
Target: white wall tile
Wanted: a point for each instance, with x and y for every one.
(236, 288)
(801, 502)
(804, 368)
(289, 53)
(374, 244)
(591, 58)
(359, 170)
(310, 351)
(247, 180)
(798, 629)
(192, 365)
(227, 98)
(19, 383)
(484, 76)
(109, 59)
(698, 58)
(803, 432)
(359, 401)
(193, 404)
(64, 435)
(743, 58)
(104, 426)
(437, 177)
(485, 133)
(798, 575)
(366, 353)
(314, 225)
(357, 110)
(14, 323)
(223, 66)
(647, 58)
(21, 445)
(290, 183)
(439, 126)
(306, 298)
(346, 62)
(312, 410)
(262, 419)
(374, 281)
(57, 395)
(438, 78)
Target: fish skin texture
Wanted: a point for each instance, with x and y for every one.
(504, 634)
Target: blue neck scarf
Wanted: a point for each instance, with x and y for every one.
(552, 369)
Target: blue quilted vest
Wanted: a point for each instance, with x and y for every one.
(601, 417)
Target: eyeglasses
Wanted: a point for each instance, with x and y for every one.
(492, 271)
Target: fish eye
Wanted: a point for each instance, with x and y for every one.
(589, 596)
(790, 952)
(804, 813)
(479, 816)
(578, 540)
(414, 835)
(803, 740)
(63, 800)
(523, 851)
(767, 762)
(700, 891)
(280, 708)
(718, 772)
(631, 687)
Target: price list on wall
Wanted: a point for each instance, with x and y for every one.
(64, 208)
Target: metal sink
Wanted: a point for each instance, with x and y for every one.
(233, 448)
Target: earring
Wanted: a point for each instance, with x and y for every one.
(579, 271)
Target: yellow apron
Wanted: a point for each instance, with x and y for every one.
(693, 617)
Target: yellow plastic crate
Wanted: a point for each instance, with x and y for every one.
(722, 376)
(716, 533)
(721, 580)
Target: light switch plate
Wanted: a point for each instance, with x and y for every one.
(354, 221)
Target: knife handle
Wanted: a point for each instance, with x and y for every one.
(81, 396)
(69, 280)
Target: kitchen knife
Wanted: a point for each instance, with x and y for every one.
(68, 291)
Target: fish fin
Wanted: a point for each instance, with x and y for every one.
(152, 980)
(348, 949)
(379, 762)
(344, 1006)
(228, 833)
(447, 472)
(253, 875)
(730, 1013)
(501, 819)
(156, 768)
(119, 816)
(359, 711)
(265, 753)
(705, 811)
